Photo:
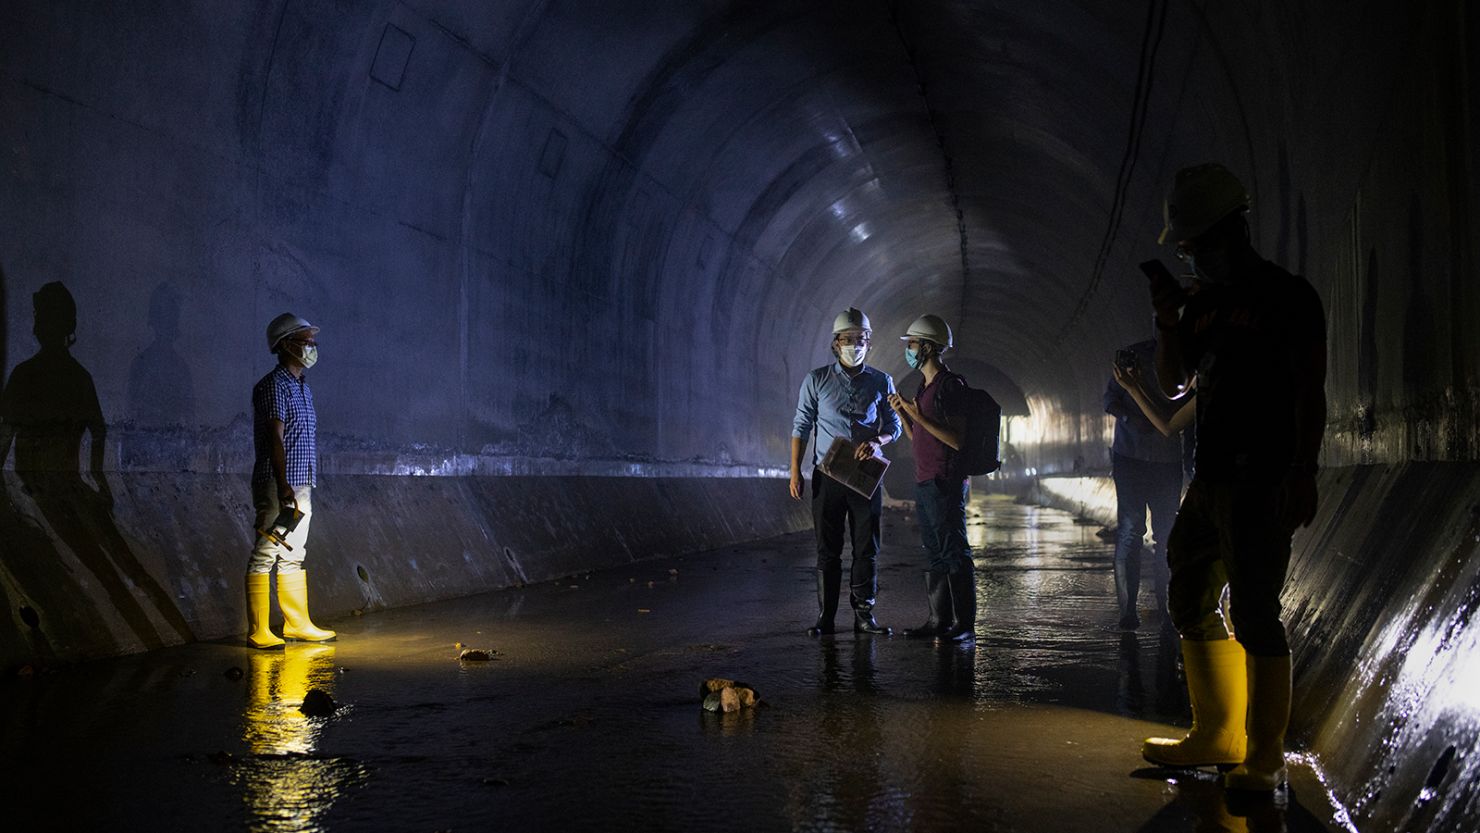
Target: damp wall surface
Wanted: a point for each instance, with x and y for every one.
(540, 232)
(1383, 591)
(164, 564)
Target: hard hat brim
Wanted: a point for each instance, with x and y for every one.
(309, 328)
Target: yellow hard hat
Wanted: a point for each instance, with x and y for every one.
(1201, 196)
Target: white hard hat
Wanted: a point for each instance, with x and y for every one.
(285, 325)
(1201, 196)
(931, 328)
(851, 319)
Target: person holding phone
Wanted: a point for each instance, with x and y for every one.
(1253, 339)
(935, 423)
(1146, 466)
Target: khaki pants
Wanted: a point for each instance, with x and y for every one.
(267, 554)
(1227, 535)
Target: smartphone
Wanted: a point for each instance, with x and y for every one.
(1163, 282)
(1125, 359)
(1155, 270)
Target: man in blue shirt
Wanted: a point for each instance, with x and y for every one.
(284, 472)
(1147, 469)
(851, 400)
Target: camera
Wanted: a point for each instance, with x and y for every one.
(1125, 359)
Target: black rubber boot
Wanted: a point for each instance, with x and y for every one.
(962, 590)
(828, 583)
(863, 619)
(938, 597)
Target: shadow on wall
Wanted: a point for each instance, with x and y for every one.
(159, 367)
(161, 396)
(47, 405)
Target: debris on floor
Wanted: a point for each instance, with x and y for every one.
(318, 703)
(722, 695)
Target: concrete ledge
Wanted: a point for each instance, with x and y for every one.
(79, 580)
(1084, 496)
(1381, 607)
(1383, 593)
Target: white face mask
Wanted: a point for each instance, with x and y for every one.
(308, 356)
(851, 355)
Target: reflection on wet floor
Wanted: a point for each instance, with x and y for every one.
(289, 784)
(588, 719)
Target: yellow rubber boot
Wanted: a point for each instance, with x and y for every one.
(292, 592)
(1217, 685)
(259, 590)
(1263, 769)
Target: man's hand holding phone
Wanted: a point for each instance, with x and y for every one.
(1167, 294)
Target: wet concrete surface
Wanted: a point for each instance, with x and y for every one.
(588, 716)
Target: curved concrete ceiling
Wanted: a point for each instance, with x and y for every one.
(646, 214)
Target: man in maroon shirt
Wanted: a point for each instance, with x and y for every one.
(935, 422)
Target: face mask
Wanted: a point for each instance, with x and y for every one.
(1197, 273)
(913, 358)
(308, 357)
(851, 356)
(1212, 267)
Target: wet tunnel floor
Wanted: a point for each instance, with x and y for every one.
(589, 718)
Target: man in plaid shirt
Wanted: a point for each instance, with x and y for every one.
(284, 473)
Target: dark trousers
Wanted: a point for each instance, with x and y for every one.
(838, 511)
(1142, 485)
(1228, 535)
(941, 508)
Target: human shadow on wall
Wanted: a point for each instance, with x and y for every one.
(161, 392)
(30, 567)
(46, 406)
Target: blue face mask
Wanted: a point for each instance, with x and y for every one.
(913, 358)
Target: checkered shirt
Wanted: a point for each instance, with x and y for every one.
(281, 396)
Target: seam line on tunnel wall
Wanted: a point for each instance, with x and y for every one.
(1146, 73)
(945, 155)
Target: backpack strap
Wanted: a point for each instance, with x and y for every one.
(940, 401)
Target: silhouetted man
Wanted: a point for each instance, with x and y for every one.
(284, 472)
(845, 399)
(1254, 339)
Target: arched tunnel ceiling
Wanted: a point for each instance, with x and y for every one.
(645, 215)
(836, 144)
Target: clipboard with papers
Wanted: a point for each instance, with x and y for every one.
(862, 476)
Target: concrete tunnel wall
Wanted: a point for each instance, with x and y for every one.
(587, 251)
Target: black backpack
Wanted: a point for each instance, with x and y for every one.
(980, 449)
